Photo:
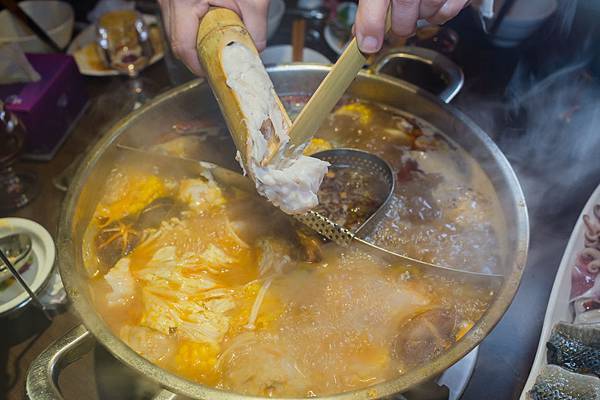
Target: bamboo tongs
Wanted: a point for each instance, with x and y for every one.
(219, 28)
(329, 92)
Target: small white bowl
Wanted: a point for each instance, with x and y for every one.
(276, 11)
(522, 21)
(282, 54)
(55, 17)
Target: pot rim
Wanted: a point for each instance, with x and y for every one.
(95, 324)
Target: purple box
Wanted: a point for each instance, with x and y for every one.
(47, 109)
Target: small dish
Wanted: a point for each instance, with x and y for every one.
(282, 54)
(17, 248)
(85, 50)
(55, 17)
(12, 296)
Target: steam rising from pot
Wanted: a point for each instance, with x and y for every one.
(548, 123)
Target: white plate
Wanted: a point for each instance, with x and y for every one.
(89, 62)
(282, 54)
(13, 296)
(558, 305)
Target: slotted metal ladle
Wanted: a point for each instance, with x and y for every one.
(378, 168)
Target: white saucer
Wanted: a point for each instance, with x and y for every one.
(282, 54)
(13, 296)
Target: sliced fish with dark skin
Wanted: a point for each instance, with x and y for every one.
(575, 347)
(556, 383)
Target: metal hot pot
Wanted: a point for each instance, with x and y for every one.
(194, 100)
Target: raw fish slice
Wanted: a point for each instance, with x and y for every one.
(588, 317)
(585, 278)
(555, 383)
(575, 347)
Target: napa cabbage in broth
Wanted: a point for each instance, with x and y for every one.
(223, 289)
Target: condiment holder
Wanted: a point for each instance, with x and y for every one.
(27, 271)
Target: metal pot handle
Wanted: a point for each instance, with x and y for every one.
(452, 73)
(42, 377)
(164, 394)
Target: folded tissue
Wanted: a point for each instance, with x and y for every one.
(14, 66)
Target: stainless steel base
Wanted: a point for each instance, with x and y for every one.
(115, 380)
(129, 384)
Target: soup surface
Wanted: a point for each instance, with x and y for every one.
(216, 285)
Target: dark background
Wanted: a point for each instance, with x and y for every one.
(557, 185)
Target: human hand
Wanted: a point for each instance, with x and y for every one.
(182, 17)
(371, 15)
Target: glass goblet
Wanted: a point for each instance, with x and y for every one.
(124, 42)
(17, 189)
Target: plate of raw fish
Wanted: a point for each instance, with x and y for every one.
(567, 363)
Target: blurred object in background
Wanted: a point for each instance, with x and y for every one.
(87, 53)
(310, 4)
(485, 8)
(509, 22)
(124, 45)
(104, 6)
(298, 36)
(338, 30)
(55, 17)
(424, 68)
(178, 72)
(282, 54)
(124, 41)
(16, 189)
(274, 16)
(315, 13)
(14, 66)
(46, 109)
(104, 111)
(310, 10)
(589, 13)
(29, 24)
(437, 38)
